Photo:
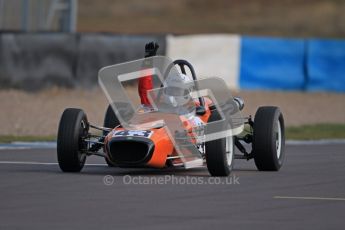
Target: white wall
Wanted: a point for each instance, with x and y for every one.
(211, 55)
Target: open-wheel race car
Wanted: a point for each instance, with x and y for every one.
(261, 138)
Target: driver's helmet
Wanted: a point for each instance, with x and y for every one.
(177, 89)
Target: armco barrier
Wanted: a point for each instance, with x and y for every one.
(272, 64)
(34, 61)
(39, 60)
(326, 65)
(98, 50)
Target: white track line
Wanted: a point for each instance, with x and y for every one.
(309, 198)
(26, 163)
(39, 163)
(28, 145)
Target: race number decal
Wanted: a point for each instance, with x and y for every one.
(133, 133)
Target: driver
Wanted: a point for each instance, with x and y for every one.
(145, 83)
(177, 93)
(177, 90)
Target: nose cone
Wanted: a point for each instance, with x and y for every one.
(130, 150)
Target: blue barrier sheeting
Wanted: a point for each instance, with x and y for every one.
(272, 63)
(326, 65)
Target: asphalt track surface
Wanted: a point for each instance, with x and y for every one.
(308, 193)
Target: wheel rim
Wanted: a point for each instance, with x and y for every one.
(278, 134)
(229, 150)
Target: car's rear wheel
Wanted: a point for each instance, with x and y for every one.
(110, 121)
(269, 139)
(219, 153)
(73, 128)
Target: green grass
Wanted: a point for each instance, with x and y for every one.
(316, 132)
(11, 138)
(304, 132)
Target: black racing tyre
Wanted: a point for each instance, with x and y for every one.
(219, 153)
(269, 139)
(72, 128)
(110, 121)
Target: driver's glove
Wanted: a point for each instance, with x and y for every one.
(151, 49)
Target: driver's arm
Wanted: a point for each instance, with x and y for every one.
(145, 83)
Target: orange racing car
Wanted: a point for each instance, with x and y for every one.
(155, 146)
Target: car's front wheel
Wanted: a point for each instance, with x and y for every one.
(73, 128)
(269, 139)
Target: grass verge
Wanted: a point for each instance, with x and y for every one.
(12, 138)
(316, 132)
(304, 132)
